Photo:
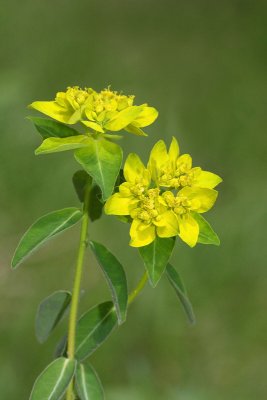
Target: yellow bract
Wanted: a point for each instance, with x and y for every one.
(155, 210)
(101, 112)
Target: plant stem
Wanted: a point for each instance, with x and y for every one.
(137, 289)
(77, 285)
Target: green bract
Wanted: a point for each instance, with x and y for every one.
(156, 256)
(102, 160)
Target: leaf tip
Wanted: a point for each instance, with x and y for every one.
(37, 151)
(217, 242)
(15, 262)
(121, 318)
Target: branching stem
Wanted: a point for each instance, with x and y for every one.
(137, 289)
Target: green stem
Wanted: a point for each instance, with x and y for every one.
(137, 289)
(77, 286)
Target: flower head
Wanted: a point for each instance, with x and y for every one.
(172, 170)
(136, 199)
(99, 111)
(152, 209)
(68, 107)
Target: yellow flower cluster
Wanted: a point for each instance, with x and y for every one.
(100, 111)
(162, 198)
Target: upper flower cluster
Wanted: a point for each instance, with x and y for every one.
(163, 198)
(100, 111)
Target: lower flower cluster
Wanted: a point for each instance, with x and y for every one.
(163, 198)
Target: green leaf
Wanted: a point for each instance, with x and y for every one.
(120, 179)
(49, 128)
(96, 205)
(102, 160)
(55, 144)
(88, 384)
(50, 312)
(156, 256)
(61, 347)
(54, 380)
(177, 283)
(80, 180)
(93, 328)
(115, 276)
(206, 233)
(43, 229)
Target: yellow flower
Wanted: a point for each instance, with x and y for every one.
(68, 107)
(138, 201)
(157, 212)
(101, 112)
(170, 169)
(179, 219)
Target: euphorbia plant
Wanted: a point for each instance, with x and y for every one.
(161, 200)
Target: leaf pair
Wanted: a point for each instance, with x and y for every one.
(54, 380)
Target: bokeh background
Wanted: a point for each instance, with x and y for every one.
(203, 65)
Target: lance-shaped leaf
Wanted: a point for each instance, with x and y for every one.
(93, 328)
(102, 160)
(177, 283)
(49, 128)
(156, 256)
(120, 179)
(115, 276)
(95, 207)
(206, 233)
(55, 144)
(88, 384)
(50, 312)
(54, 380)
(61, 347)
(80, 180)
(43, 229)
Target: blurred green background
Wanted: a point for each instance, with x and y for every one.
(203, 65)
